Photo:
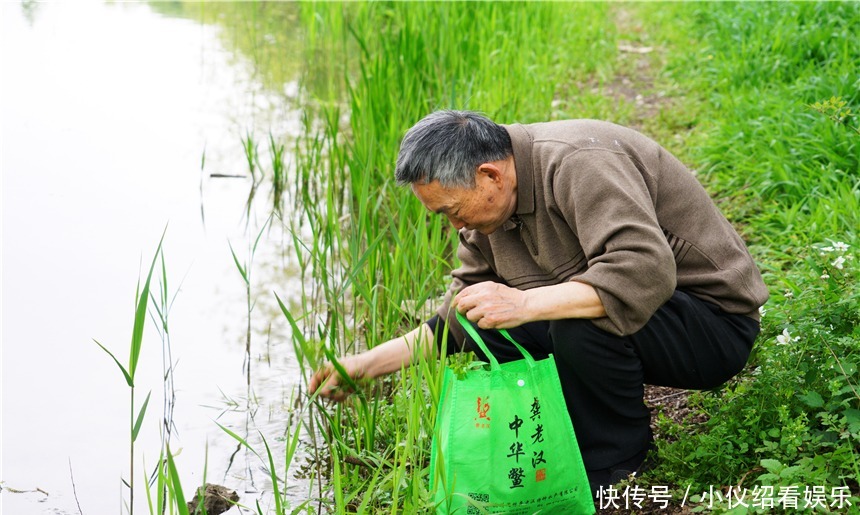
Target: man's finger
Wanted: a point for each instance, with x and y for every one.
(319, 377)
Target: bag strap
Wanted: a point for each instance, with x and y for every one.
(494, 363)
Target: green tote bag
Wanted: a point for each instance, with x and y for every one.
(504, 442)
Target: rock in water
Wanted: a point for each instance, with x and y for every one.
(216, 499)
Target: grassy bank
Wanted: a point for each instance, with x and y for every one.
(786, 172)
(728, 88)
(405, 61)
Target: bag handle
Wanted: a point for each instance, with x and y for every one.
(494, 363)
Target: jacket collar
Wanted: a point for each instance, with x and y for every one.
(522, 142)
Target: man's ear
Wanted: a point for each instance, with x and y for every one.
(490, 171)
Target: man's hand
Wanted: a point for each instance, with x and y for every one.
(496, 306)
(493, 305)
(329, 381)
(383, 359)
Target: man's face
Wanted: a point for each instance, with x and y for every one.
(483, 208)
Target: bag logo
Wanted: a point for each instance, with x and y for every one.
(482, 421)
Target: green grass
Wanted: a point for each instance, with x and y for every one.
(788, 176)
(379, 260)
(740, 79)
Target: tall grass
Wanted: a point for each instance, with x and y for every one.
(760, 66)
(378, 260)
(786, 175)
(164, 479)
(141, 299)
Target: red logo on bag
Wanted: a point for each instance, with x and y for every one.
(540, 475)
(483, 408)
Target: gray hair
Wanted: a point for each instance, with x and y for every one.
(448, 146)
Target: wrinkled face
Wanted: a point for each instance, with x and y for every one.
(484, 208)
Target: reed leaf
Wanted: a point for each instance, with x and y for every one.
(239, 266)
(140, 416)
(129, 381)
(176, 485)
(279, 508)
(239, 439)
(140, 314)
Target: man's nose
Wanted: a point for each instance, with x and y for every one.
(456, 222)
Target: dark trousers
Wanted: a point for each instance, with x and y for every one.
(688, 343)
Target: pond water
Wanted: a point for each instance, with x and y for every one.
(107, 111)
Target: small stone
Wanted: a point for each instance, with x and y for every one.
(216, 499)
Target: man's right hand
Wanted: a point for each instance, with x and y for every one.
(328, 381)
(383, 359)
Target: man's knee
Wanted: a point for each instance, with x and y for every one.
(720, 372)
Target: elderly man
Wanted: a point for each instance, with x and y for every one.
(592, 243)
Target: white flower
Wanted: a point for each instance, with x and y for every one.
(762, 311)
(825, 276)
(788, 294)
(785, 338)
(838, 262)
(840, 246)
(827, 249)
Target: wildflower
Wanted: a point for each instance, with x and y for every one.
(785, 338)
(840, 246)
(761, 311)
(825, 276)
(827, 249)
(788, 294)
(838, 263)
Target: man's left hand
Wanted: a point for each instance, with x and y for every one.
(492, 305)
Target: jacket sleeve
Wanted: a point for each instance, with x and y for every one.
(605, 198)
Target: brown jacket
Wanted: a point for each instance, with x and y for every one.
(604, 205)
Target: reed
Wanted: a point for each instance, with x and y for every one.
(129, 371)
(378, 261)
(404, 60)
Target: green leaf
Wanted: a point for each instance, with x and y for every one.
(140, 416)
(772, 466)
(122, 368)
(176, 484)
(140, 313)
(239, 439)
(789, 472)
(277, 494)
(297, 332)
(812, 399)
(238, 265)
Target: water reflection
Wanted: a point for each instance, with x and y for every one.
(107, 110)
(29, 9)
